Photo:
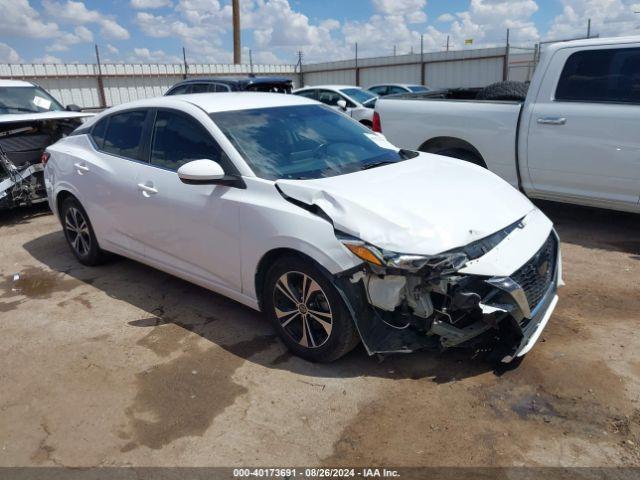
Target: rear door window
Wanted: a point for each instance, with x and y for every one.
(180, 90)
(312, 94)
(124, 134)
(608, 75)
(178, 139)
(200, 88)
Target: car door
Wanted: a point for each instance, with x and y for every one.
(109, 176)
(583, 135)
(191, 230)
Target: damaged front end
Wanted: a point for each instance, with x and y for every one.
(21, 148)
(403, 303)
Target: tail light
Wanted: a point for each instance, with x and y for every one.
(44, 158)
(377, 126)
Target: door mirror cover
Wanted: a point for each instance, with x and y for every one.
(342, 104)
(201, 172)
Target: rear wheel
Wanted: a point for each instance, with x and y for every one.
(307, 311)
(79, 233)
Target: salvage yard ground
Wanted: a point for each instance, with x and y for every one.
(124, 365)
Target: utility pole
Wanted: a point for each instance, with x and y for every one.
(250, 61)
(237, 55)
(447, 43)
(186, 66)
(394, 50)
(101, 97)
(589, 28)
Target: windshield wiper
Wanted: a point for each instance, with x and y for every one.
(377, 164)
(19, 109)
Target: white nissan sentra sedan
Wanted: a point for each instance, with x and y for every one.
(291, 208)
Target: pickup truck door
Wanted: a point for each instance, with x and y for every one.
(583, 128)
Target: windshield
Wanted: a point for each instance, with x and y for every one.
(27, 100)
(303, 142)
(358, 94)
(417, 88)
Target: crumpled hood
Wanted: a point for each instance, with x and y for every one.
(426, 205)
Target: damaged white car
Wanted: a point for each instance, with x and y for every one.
(30, 120)
(292, 208)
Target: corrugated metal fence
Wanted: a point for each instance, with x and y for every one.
(83, 85)
(463, 68)
(89, 87)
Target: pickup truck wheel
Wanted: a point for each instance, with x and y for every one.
(462, 154)
(307, 311)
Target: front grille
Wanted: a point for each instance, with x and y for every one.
(536, 275)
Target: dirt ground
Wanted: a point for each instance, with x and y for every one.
(123, 365)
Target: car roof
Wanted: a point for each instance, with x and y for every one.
(593, 42)
(217, 102)
(235, 80)
(15, 83)
(329, 87)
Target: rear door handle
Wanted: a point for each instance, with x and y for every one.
(146, 189)
(81, 167)
(552, 120)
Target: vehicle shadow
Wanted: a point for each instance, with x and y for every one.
(23, 215)
(595, 228)
(234, 327)
(245, 333)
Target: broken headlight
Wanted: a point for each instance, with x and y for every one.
(443, 263)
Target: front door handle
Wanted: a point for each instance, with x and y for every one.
(147, 189)
(552, 120)
(81, 167)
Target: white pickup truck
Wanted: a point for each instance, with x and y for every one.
(575, 138)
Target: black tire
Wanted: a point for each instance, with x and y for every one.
(508, 90)
(79, 233)
(462, 154)
(303, 332)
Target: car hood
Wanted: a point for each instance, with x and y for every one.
(30, 117)
(424, 206)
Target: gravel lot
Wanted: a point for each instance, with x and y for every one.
(124, 365)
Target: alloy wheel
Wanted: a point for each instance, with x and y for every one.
(303, 309)
(77, 229)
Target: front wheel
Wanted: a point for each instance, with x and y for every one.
(307, 311)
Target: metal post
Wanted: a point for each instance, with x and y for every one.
(422, 72)
(101, 96)
(589, 28)
(394, 50)
(447, 43)
(186, 66)
(301, 75)
(237, 56)
(505, 70)
(357, 69)
(250, 61)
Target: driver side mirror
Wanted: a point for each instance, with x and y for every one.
(342, 104)
(72, 107)
(200, 172)
(207, 172)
